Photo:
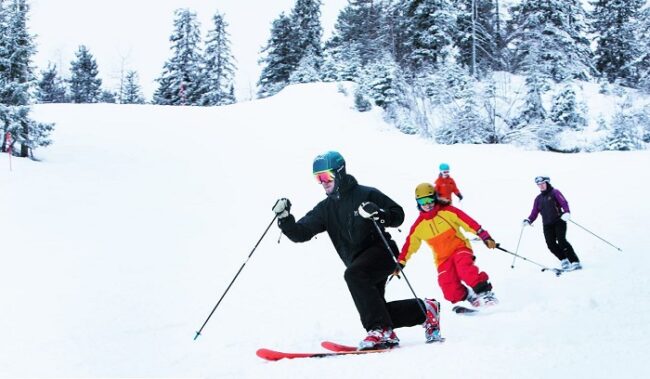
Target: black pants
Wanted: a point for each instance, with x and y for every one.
(366, 279)
(555, 236)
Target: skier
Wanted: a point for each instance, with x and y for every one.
(347, 215)
(446, 185)
(555, 213)
(438, 224)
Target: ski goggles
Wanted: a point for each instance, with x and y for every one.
(446, 172)
(425, 201)
(542, 179)
(326, 176)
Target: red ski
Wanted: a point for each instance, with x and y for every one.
(273, 355)
(333, 346)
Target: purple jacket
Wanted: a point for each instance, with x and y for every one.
(551, 204)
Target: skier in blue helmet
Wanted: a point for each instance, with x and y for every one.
(347, 215)
(326, 165)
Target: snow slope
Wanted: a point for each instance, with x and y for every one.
(116, 246)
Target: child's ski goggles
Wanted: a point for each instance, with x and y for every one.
(326, 176)
(425, 201)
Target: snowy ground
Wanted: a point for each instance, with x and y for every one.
(116, 246)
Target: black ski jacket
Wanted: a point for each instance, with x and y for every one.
(350, 233)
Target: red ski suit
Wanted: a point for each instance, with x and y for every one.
(453, 255)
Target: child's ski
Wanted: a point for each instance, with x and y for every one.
(463, 310)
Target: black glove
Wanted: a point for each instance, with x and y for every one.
(526, 222)
(460, 197)
(369, 210)
(282, 208)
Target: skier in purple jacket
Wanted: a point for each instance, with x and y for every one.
(555, 213)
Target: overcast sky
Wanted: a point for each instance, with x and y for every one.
(134, 34)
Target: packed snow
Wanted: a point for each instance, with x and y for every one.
(118, 243)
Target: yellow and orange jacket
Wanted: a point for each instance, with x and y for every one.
(445, 187)
(440, 229)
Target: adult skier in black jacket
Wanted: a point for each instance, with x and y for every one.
(347, 214)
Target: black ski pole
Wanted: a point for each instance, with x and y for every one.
(390, 252)
(595, 235)
(517, 249)
(557, 272)
(233, 279)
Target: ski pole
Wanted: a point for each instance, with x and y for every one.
(233, 279)
(557, 272)
(390, 252)
(593, 234)
(517, 249)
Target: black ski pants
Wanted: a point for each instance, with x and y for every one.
(366, 279)
(555, 236)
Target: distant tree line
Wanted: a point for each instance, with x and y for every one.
(411, 56)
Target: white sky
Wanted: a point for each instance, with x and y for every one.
(135, 33)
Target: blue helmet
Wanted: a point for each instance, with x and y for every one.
(444, 167)
(332, 160)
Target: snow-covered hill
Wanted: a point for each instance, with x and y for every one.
(116, 246)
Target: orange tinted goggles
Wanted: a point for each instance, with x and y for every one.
(326, 176)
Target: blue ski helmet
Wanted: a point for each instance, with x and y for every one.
(542, 179)
(444, 167)
(332, 160)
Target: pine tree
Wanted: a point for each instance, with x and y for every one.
(555, 30)
(305, 18)
(279, 59)
(85, 86)
(360, 35)
(566, 111)
(614, 23)
(51, 88)
(180, 82)
(428, 27)
(219, 69)
(642, 63)
(131, 91)
(17, 80)
(627, 129)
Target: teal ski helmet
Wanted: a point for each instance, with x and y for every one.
(331, 160)
(444, 167)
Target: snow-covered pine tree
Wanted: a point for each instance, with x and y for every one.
(614, 23)
(17, 80)
(307, 70)
(627, 129)
(360, 35)
(530, 126)
(51, 88)
(642, 64)
(308, 32)
(131, 91)
(219, 67)
(279, 58)
(85, 86)
(428, 27)
(379, 81)
(566, 111)
(556, 30)
(180, 81)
